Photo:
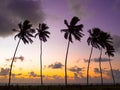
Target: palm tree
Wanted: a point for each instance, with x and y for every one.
(72, 30)
(94, 41)
(110, 52)
(43, 35)
(105, 42)
(25, 34)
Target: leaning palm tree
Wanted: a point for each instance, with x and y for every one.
(105, 42)
(93, 40)
(24, 34)
(72, 30)
(43, 34)
(110, 52)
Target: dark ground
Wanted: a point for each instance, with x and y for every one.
(62, 87)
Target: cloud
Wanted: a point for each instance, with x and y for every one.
(21, 58)
(76, 7)
(4, 71)
(56, 65)
(116, 43)
(97, 60)
(75, 69)
(96, 70)
(116, 7)
(102, 59)
(33, 74)
(15, 11)
(78, 72)
(116, 73)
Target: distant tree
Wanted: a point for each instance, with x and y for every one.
(43, 34)
(24, 33)
(93, 40)
(72, 30)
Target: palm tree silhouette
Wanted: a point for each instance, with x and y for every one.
(43, 35)
(110, 52)
(94, 41)
(25, 34)
(106, 43)
(72, 31)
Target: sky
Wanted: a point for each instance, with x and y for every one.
(103, 14)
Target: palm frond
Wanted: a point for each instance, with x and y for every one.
(74, 21)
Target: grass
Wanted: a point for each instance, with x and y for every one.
(62, 87)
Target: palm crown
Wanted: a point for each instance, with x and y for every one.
(110, 50)
(94, 38)
(25, 32)
(73, 29)
(99, 39)
(42, 32)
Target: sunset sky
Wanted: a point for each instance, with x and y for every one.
(104, 14)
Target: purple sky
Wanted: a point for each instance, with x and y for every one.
(104, 14)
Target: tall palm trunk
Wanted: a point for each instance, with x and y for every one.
(89, 65)
(66, 62)
(12, 63)
(100, 67)
(41, 62)
(111, 71)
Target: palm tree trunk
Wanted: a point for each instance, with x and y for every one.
(66, 62)
(100, 67)
(111, 71)
(41, 62)
(89, 65)
(12, 63)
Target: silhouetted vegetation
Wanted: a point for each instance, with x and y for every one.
(43, 34)
(24, 34)
(72, 31)
(97, 39)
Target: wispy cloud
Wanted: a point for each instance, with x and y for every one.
(56, 65)
(76, 7)
(21, 58)
(97, 60)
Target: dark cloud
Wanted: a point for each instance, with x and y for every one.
(27, 9)
(4, 71)
(102, 59)
(104, 71)
(75, 69)
(33, 74)
(97, 60)
(116, 73)
(56, 65)
(78, 72)
(116, 43)
(96, 70)
(15, 11)
(21, 58)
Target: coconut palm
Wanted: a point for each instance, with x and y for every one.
(24, 34)
(43, 34)
(110, 52)
(93, 40)
(105, 42)
(72, 30)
